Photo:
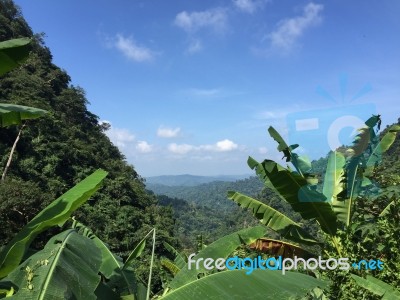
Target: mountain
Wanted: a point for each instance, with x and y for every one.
(211, 194)
(204, 210)
(190, 180)
(62, 148)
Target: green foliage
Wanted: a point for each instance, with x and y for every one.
(237, 285)
(55, 213)
(219, 249)
(203, 209)
(294, 188)
(64, 146)
(63, 269)
(11, 114)
(373, 235)
(121, 279)
(180, 259)
(13, 53)
(377, 287)
(334, 184)
(16, 214)
(273, 219)
(356, 222)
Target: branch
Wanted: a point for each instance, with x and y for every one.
(11, 153)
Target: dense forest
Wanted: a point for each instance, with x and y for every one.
(63, 148)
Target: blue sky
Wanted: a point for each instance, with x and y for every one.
(192, 86)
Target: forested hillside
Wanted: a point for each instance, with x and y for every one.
(205, 210)
(212, 194)
(190, 180)
(63, 147)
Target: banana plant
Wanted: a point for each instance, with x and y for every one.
(345, 179)
(378, 287)
(191, 282)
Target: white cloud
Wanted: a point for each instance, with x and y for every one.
(215, 19)
(133, 50)
(144, 147)
(204, 92)
(221, 146)
(194, 46)
(120, 136)
(168, 132)
(290, 30)
(249, 6)
(226, 145)
(263, 150)
(180, 149)
(270, 114)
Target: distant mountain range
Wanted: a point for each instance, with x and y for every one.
(191, 180)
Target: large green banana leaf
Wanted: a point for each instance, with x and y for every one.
(259, 285)
(221, 248)
(334, 186)
(282, 145)
(56, 213)
(121, 278)
(67, 268)
(13, 53)
(302, 164)
(12, 114)
(294, 189)
(273, 219)
(388, 207)
(385, 143)
(378, 287)
(180, 258)
(365, 139)
(168, 265)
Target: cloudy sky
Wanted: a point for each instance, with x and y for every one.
(192, 86)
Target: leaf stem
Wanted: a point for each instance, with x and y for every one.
(11, 154)
(336, 243)
(151, 264)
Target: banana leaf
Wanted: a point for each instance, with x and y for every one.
(377, 287)
(221, 248)
(274, 219)
(56, 213)
(62, 270)
(384, 144)
(334, 186)
(294, 189)
(168, 265)
(121, 279)
(13, 53)
(180, 259)
(302, 164)
(13, 114)
(280, 248)
(259, 285)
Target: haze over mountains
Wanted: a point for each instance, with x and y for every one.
(191, 180)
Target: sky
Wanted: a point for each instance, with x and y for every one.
(191, 87)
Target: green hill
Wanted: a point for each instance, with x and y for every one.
(190, 180)
(58, 150)
(212, 194)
